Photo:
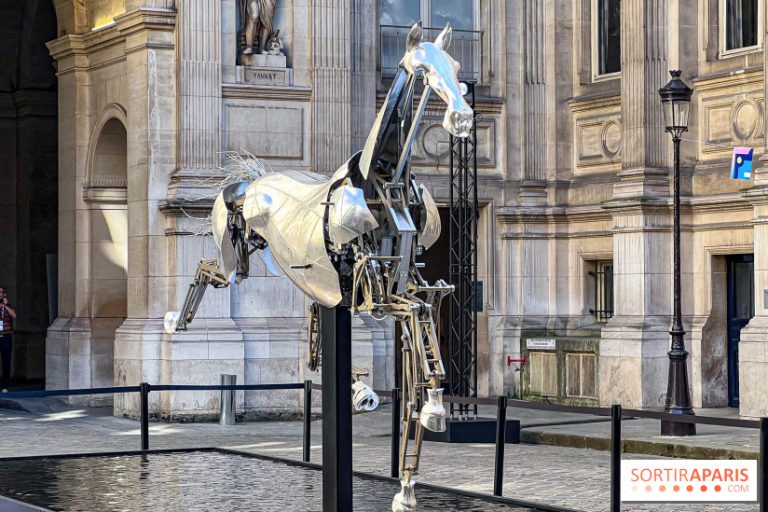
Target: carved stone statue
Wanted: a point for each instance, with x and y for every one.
(257, 23)
(274, 46)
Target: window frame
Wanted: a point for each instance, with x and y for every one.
(600, 310)
(723, 53)
(569, 393)
(595, 46)
(425, 14)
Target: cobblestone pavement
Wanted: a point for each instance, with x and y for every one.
(570, 477)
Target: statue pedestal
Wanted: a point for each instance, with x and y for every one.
(263, 69)
(264, 60)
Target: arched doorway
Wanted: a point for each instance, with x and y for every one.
(105, 195)
(28, 178)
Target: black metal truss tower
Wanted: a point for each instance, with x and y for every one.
(462, 336)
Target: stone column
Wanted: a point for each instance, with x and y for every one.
(633, 349)
(525, 252)
(753, 345)
(151, 131)
(67, 357)
(198, 49)
(535, 110)
(363, 62)
(331, 96)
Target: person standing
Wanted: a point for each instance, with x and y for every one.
(7, 316)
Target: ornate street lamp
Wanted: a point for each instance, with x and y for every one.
(676, 100)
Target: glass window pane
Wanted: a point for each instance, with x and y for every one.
(400, 12)
(460, 13)
(744, 291)
(740, 23)
(609, 36)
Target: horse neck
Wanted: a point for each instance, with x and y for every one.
(400, 92)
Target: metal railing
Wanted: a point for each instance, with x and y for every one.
(145, 388)
(466, 48)
(616, 414)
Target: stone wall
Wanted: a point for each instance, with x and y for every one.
(574, 168)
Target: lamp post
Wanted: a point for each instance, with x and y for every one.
(676, 100)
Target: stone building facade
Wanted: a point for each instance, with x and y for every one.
(574, 167)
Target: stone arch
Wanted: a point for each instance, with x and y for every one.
(106, 199)
(108, 141)
(71, 17)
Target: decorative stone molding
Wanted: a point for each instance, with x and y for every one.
(731, 111)
(597, 134)
(266, 92)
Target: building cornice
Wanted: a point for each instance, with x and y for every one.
(145, 18)
(72, 52)
(594, 101)
(749, 76)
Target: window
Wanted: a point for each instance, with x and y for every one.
(603, 286)
(741, 26)
(543, 373)
(606, 20)
(580, 375)
(397, 16)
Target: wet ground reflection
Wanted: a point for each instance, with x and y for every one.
(196, 481)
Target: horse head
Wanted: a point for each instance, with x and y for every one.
(441, 74)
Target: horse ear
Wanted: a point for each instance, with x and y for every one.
(415, 36)
(443, 40)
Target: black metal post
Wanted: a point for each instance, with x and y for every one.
(394, 468)
(307, 419)
(462, 255)
(678, 394)
(336, 335)
(616, 458)
(501, 439)
(144, 389)
(763, 484)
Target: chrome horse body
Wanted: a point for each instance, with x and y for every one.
(352, 239)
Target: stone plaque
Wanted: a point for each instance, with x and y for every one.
(540, 344)
(266, 76)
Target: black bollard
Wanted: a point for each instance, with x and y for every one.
(616, 458)
(144, 403)
(501, 440)
(307, 420)
(336, 335)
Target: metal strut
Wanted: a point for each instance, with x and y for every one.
(208, 272)
(462, 335)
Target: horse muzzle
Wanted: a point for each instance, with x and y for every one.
(459, 122)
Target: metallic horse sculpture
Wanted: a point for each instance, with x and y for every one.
(352, 239)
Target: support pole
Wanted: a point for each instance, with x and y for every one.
(616, 458)
(144, 403)
(394, 468)
(501, 440)
(336, 335)
(307, 420)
